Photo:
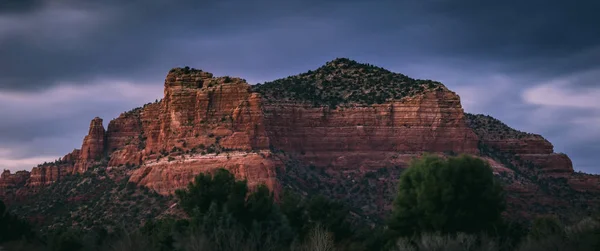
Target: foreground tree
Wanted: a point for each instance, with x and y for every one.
(11, 227)
(458, 194)
(225, 213)
(304, 215)
(220, 189)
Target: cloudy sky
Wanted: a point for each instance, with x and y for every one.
(534, 64)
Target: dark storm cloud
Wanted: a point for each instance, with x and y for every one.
(490, 52)
(19, 6)
(533, 28)
(549, 38)
(126, 39)
(111, 39)
(114, 37)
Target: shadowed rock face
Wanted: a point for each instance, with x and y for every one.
(344, 116)
(526, 146)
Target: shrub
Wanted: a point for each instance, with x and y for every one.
(547, 233)
(318, 240)
(438, 242)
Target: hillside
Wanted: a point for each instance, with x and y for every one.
(344, 81)
(95, 198)
(345, 130)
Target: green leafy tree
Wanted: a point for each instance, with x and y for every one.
(458, 194)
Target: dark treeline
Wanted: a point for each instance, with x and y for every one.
(442, 204)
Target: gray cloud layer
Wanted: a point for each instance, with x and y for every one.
(64, 62)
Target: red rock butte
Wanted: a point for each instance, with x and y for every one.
(206, 122)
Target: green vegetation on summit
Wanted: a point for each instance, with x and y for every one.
(490, 128)
(185, 70)
(343, 81)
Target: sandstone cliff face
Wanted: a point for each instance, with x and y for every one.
(198, 112)
(166, 176)
(125, 139)
(222, 108)
(431, 122)
(46, 175)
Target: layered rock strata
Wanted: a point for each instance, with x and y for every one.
(430, 122)
(167, 175)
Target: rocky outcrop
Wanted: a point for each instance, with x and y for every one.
(93, 146)
(78, 161)
(8, 180)
(10, 184)
(550, 164)
(48, 174)
(199, 113)
(125, 139)
(531, 148)
(72, 157)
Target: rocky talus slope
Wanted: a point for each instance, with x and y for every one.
(345, 129)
